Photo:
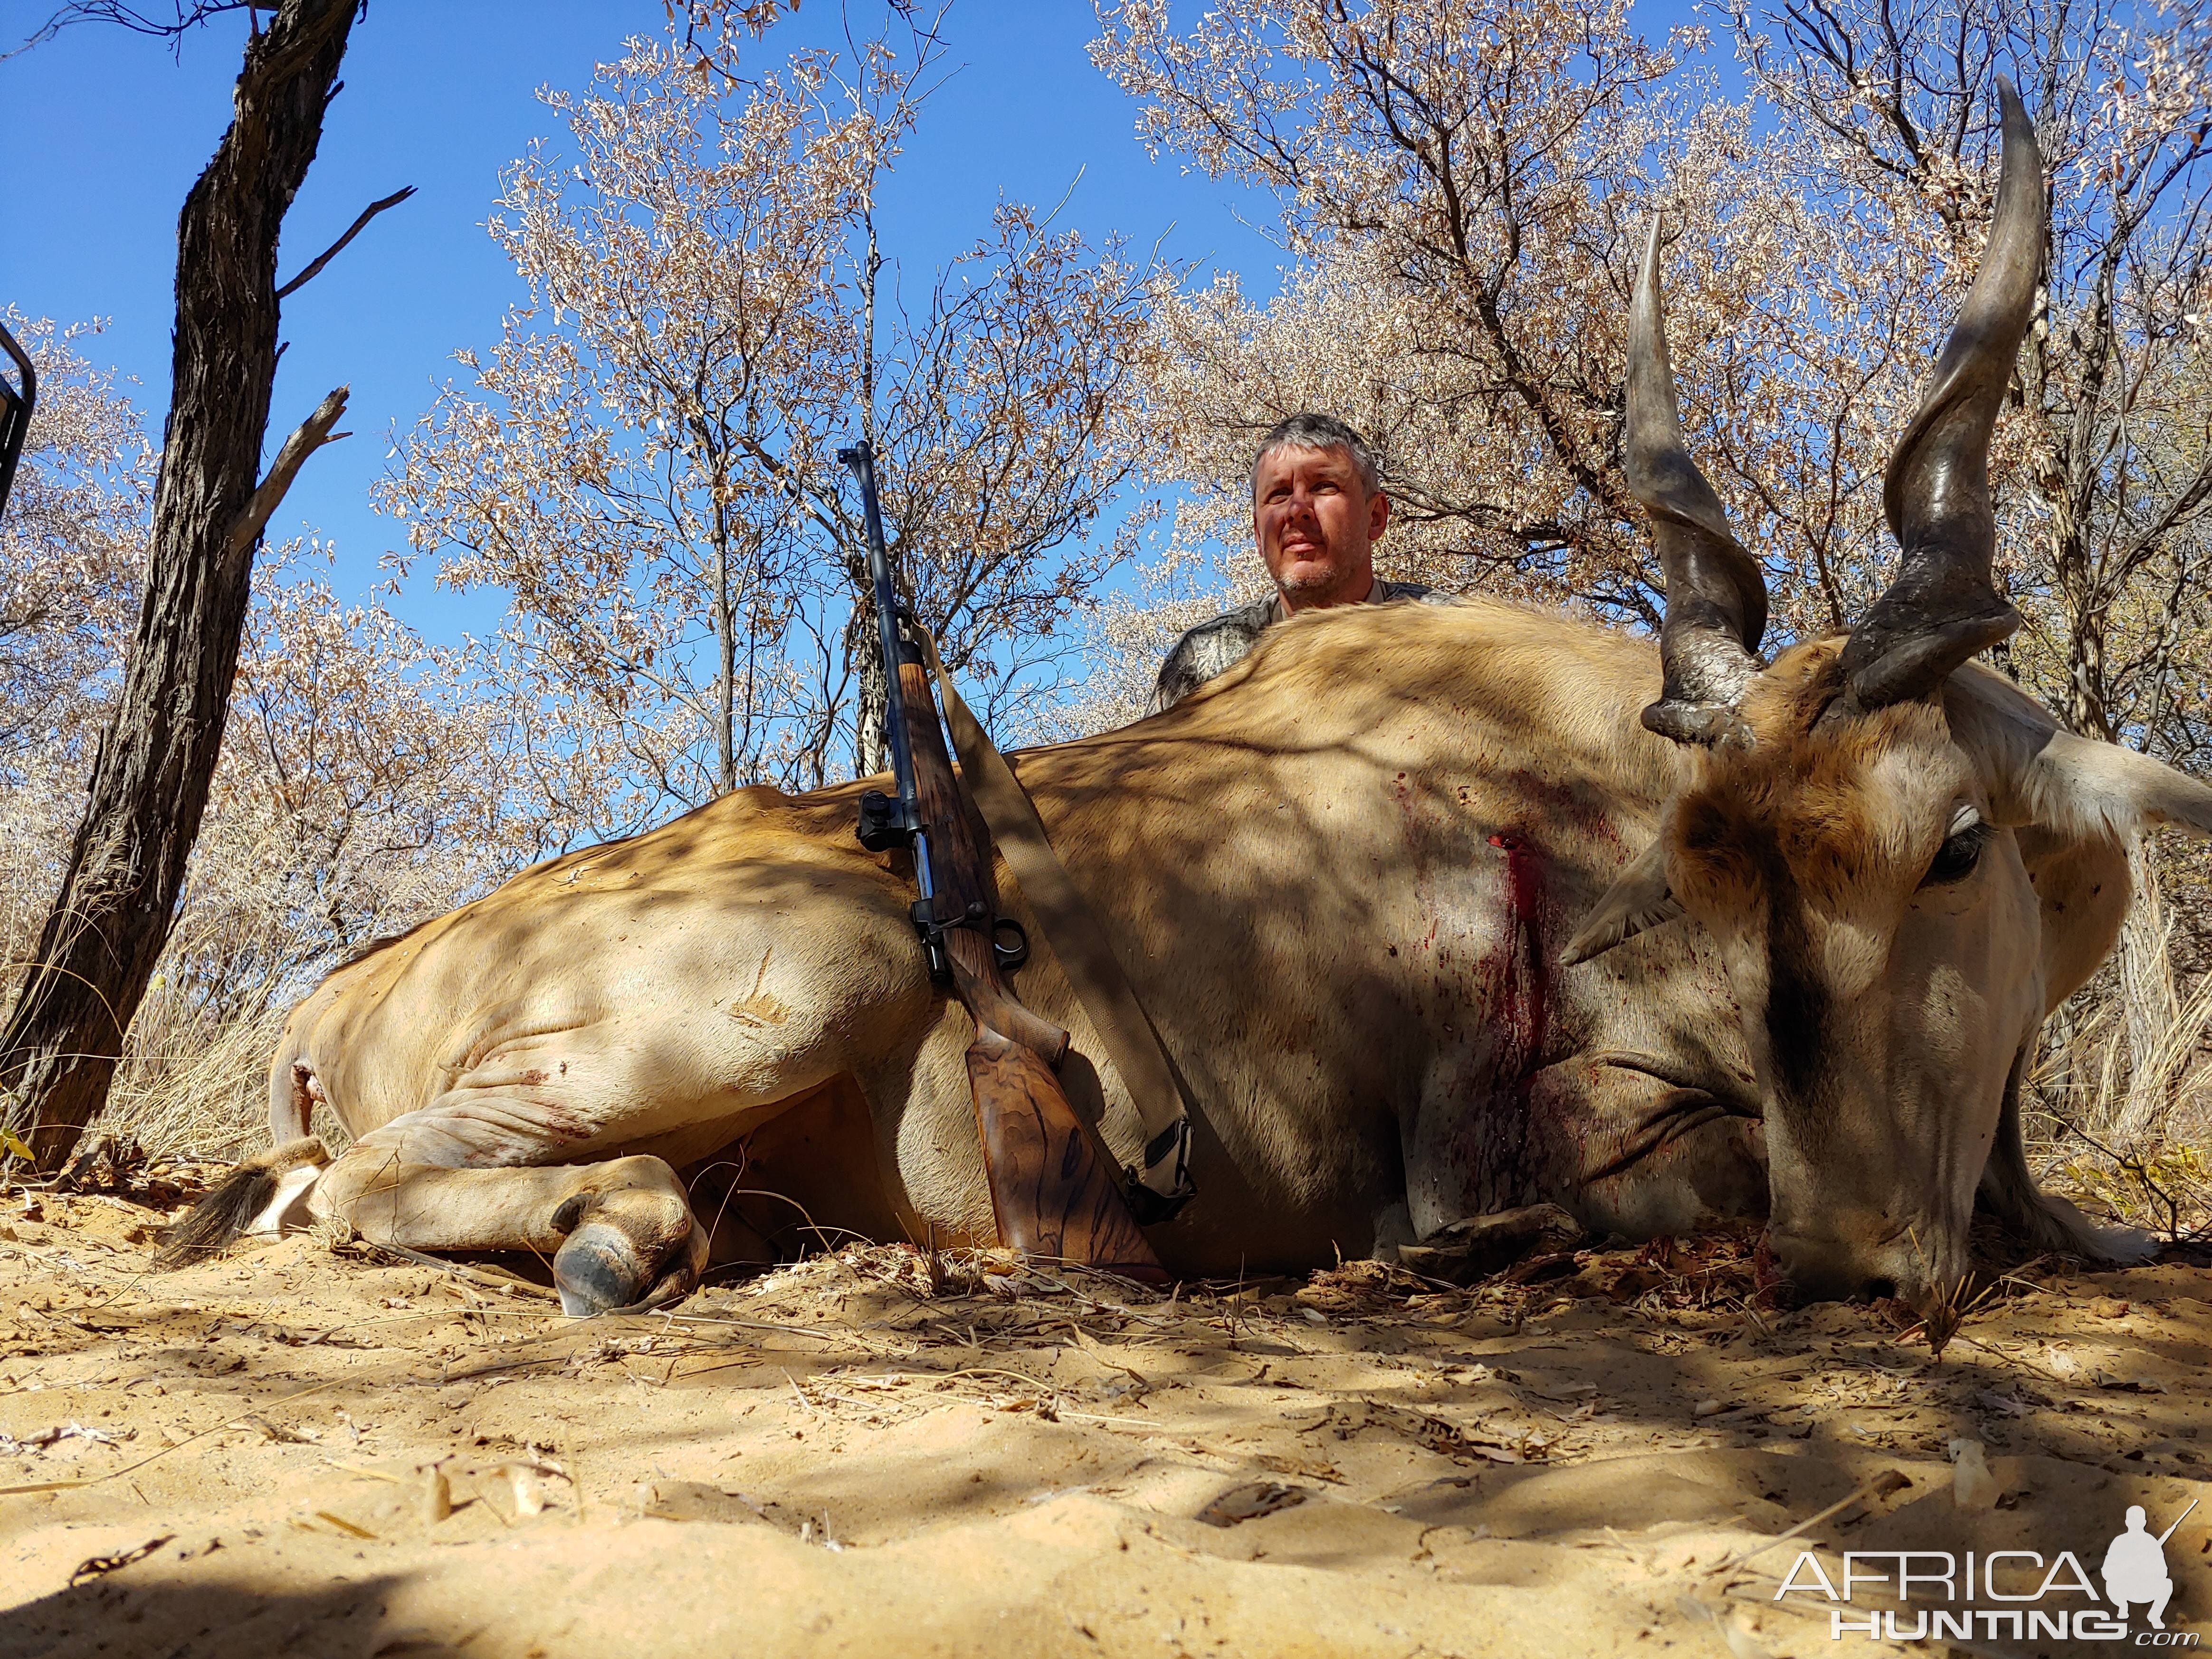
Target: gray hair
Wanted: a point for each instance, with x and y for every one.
(1311, 430)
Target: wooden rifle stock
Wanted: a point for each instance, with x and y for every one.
(1051, 1195)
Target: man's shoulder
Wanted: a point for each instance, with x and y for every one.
(1213, 645)
(1246, 619)
(1209, 649)
(1417, 592)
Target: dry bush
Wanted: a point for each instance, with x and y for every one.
(2124, 1122)
(644, 465)
(193, 1083)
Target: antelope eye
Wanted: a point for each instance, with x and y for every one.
(1960, 852)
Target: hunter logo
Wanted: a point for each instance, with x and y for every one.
(2134, 1567)
(2013, 1594)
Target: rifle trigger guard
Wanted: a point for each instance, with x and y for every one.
(933, 926)
(1009, 957)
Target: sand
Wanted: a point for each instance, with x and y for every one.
(873, 1454)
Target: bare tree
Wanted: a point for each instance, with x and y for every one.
(368, 780)
(72, 547)
(1453, 178)
(2110, 384)
(150, 780)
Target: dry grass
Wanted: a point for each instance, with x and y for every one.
(2129, 1138)
(2093, 1087)
(195, 1085)
(252, 932)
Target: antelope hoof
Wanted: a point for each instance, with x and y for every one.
(625, 1251)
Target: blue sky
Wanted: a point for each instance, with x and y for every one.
(111, 130)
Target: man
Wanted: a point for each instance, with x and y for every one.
(1318, 509)
(2135, 1568)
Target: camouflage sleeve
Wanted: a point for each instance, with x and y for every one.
(1417, 592)
(1179, 675)
(1209, 649)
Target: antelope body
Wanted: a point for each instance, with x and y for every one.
(1437, 910)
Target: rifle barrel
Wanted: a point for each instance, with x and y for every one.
(2175, 1527)
(1051, 1195)
(862, 459)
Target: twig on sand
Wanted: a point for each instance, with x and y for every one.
(1888, 1480)
(239, 1421)
(798, 1394)
(497, 1284)
(818, 1334)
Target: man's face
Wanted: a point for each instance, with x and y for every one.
(1317, 525)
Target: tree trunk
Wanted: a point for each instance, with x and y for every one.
(871, 748)
(2148, 1000)
(725, 661)
(149, 783)
(2086, 709)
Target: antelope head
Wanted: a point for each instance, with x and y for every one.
(1866, 822)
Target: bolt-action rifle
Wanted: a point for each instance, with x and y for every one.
(1052, 1194)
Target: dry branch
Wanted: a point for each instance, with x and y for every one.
(310, 435)
(315, 264)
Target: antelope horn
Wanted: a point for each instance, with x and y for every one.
(1942, 608)
(1716, 594)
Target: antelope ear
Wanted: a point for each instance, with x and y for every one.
(1639, 898)
(2085, 786)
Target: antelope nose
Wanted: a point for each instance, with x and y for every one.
(1830, 1269)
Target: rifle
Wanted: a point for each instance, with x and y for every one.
(1051, 1195)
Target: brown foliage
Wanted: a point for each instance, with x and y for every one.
(645, 461)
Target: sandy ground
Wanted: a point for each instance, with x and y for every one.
(1595, 1455)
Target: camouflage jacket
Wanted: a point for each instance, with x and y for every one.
(1211, 648)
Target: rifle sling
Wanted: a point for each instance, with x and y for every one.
(1085, 955)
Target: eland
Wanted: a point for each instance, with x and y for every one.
(1440, 911)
